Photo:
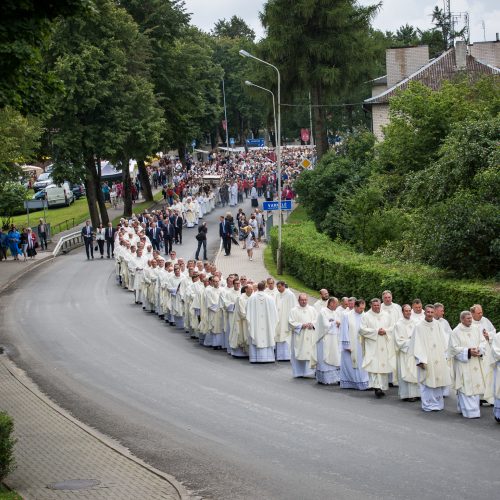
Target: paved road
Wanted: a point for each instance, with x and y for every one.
(226, 428)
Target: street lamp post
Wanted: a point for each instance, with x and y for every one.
(225, 116)
(250, 84)
(244, 53)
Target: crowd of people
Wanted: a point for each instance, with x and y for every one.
(337, 341)
(22, 243)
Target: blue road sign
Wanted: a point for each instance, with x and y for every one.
(268, 206)
(231, 141)
(193, 144)
(255, 143)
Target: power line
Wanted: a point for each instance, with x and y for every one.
(322, 105)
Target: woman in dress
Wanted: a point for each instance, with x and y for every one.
(14, 239)
(31, 241)
(249, 242)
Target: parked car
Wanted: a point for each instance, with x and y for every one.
(59, 195)
(78, 190)
(43, 181)
(39, 195)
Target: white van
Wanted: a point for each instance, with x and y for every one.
(59, 195)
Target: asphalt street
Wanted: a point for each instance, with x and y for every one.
(228, 429)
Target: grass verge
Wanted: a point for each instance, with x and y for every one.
(79, 211)
(6, 494)
(292, 281)
(298, 215)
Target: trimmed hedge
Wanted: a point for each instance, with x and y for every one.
(7, 442)
(321, 263)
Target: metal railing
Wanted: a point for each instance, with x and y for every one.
(63, 223)
(68, 242)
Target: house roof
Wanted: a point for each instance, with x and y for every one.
(434, 72)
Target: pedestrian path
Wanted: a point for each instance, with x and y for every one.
(55, 449)
(238, 262)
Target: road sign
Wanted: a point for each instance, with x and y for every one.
(193, 144)
(231, 141)
(268, 206)
(35, 204)
(255, 143)
(305, 163)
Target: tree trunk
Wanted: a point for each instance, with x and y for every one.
(90, 189)
(144, 178)
(321, 138)
(127, 189)
(100, 195)
(181, 149)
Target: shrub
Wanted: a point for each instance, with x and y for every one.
(321, 263)
(7, 442)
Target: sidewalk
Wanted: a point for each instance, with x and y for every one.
(52, 447)
(238, 262)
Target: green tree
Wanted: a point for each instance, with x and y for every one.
(25, 29)
(19, 141)
(319, 46)
(12, 197)
(162, 22)
(94, 56)
(236, 27)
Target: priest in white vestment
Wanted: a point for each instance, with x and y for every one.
(428, 346)
(229, 298)
(494, 362)
(489, 332)
(302, 319)
(395, 313)
(439, 316)
(285, 302)
(239, 337)
(417, 311)
(352, 375)
(408, 389)
(326, 359)
(322, 301)
(262, 318)
(215, 333)
(467, 347)
(380, 356)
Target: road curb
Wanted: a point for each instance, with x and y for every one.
(24, 272)
(21, 377)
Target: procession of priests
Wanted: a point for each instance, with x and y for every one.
(348, 342)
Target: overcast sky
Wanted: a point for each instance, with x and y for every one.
(392, 15)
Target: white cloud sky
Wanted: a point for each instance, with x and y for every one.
(392, 15)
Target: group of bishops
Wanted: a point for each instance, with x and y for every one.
(411, 347)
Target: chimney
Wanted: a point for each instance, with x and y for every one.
(461, 55)
(486, 52)
(404, 61)
(498, 37)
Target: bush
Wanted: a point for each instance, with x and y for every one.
(321, 263)
(7, 442)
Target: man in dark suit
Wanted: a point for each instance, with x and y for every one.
(225, 234)
(154, 236)
(109, 236)
(88, 236)
(178, 223)
(168, 236)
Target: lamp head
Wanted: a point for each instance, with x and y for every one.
(247, 82)
(244, 53)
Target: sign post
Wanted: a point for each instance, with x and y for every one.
(269, 206)
(35, 205)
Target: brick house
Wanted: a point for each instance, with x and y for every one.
(407, 64)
